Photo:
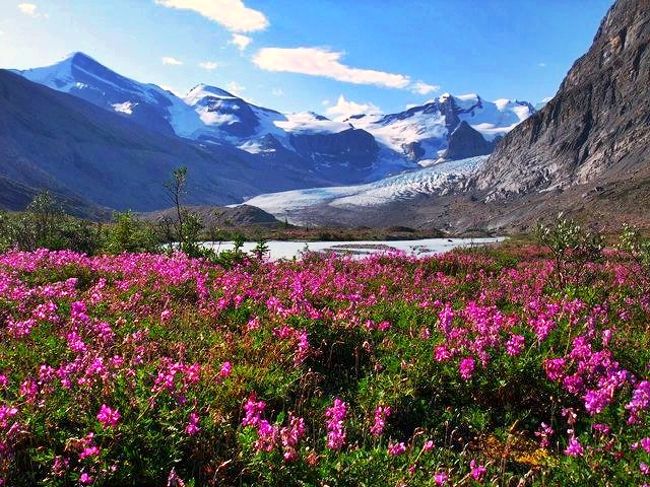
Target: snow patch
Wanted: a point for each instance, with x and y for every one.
(126, 107)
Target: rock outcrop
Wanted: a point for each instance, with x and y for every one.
(466, 142)
(598, 124)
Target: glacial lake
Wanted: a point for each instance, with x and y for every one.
(289, 249)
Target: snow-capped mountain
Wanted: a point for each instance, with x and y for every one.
(336, 151)
(363, 147)
(147, 104)
(425, 133)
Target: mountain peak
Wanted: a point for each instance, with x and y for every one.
(79, 57)
(202, 90)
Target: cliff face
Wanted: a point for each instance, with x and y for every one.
(598, 124)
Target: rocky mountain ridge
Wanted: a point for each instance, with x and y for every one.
(598, 124)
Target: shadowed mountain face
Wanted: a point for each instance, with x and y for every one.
(598, 124)
(51, 140)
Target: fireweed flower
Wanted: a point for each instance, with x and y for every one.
(60, 466)
(267, 436)
(192, 427)
(396, 449)
(570, 415)
(515, 345)
(601, 428)
(574, 448)
(640, 401)
(336, 434)
(254, 410)
(554, 368)
(544, 434)
(441, 478)
(99, 347)
(466, 368)
(478, 471)
(86, 479)
(381, 414)
(290, 437)
(644, 444)
(6, 412)
(108, 417)
(442, 353)
(174, 480)
(225, 370)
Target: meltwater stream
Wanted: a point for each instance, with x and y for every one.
(289, 249)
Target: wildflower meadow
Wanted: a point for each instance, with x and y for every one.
(485, 367)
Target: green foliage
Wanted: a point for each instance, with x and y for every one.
(128, 234)
(190, 232)
(261, 249)
(632, 242)
(8, 231)
(45, 225)
(229, 258)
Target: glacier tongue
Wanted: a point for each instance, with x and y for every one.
(440, 178)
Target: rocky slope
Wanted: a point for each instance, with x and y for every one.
(597, 127)
(222, 217)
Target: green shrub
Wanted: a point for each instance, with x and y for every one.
(128, 234)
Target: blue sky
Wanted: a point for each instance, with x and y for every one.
(296, 55)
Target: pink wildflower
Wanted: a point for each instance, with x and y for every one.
(336, 434)
(381, 414)
(466, 368)
(478, 471)
(108, 417)
(396, 449)
(192, 427)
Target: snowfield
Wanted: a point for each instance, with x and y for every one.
(428, 125)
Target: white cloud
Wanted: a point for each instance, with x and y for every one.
(422, 88)
(345, 108)
(241, 41)
(325, 103)
(235, 88)
(541, 65)
(28, 9)
(209, 65)
(316, 61)
(171, 61)
(277, 92)
(232, 14)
